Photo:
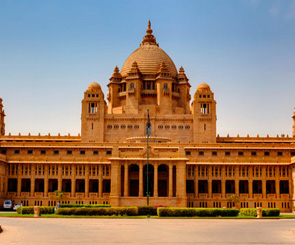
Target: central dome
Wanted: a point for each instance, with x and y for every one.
(149, 57)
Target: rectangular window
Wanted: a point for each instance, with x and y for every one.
(3, 152)
(280, 153)
(292, 153)
(56, 152)
(214, 153)
(201, 153)
(109, 152)
(227, 153)
(253, 153)
(16, 151)
(42, 152)
(266, 153)
(82, 152)
(240, 153)
(30, 152)
(187, 153)
(95, 152)
(69, 152)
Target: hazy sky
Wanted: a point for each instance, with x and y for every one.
(51, 50)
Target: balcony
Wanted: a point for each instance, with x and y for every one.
(268, 196)
(93, 194)
(11, 194)
(285, 196)
(245, 195)
(166, 91)
(148, 92)
(80, 195)
(175, 94)
(216, 195)
(257, 196)
(39, 194)
(131, 91)
(203, 195)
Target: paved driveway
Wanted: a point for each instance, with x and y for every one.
(145, 231)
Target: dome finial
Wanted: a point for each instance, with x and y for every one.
(149, 37)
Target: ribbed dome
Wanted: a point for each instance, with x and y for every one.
(204, 87)
(149, 57)
(94, 86)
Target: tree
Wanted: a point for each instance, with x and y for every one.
(234, 198)
(59, 195)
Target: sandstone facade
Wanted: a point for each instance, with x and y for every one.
(188, 164)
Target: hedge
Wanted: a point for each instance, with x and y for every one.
(265, 212)
(128, 211)
(85, 205)
(147, 210)
(30, 210)
(199, 212)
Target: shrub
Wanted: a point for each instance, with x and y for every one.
(265, 212)
(30, 210)
(127, 211)
(85, 205)
(147, 210)
(248, 212)
(196, 212)
(271, 212)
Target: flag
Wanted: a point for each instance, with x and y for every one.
(148, 124)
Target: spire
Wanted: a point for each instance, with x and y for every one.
(149, 37)
(116, 77)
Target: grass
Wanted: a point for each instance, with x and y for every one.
(141, 217)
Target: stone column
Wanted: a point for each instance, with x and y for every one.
(170, 192)
(126, 177)
(115, 183)
(223, 181)
(250, 181)
(33, 169)
(277, 177)
(181, 184)
(100, 180)
(46, 180)
(59, 178)
(196, 181)
(263, 181)
(140, 180)
(237, 180)
(156, 180)
(87, 180)
(73, 181)
(19, 180)
(210, 182)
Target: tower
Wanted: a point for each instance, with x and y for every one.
(2, 115)
(204, 115)
(93, 110)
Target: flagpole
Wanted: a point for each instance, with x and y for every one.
(147, 164)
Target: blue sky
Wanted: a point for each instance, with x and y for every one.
(244, 49)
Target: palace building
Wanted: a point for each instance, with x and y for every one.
(189, 164)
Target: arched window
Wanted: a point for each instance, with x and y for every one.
(131, 85)
(165, 85)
